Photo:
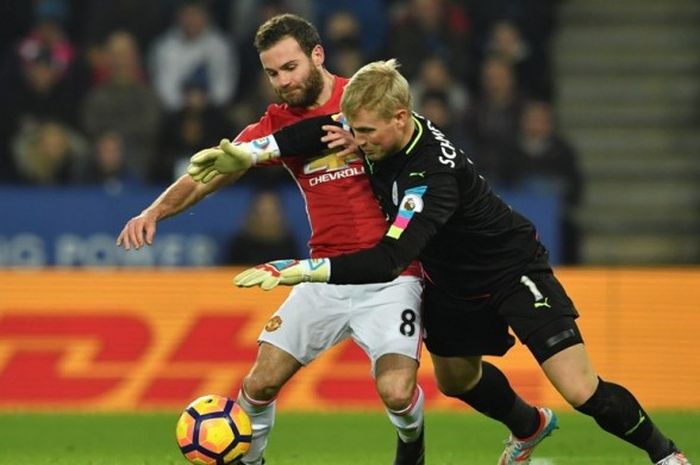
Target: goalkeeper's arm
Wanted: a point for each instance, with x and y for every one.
(302, 138)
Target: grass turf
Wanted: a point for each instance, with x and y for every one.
(315, 439)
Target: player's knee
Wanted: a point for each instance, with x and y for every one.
(397, 397)
(397, 392)
(456, 384)
(261, 386)
(454, 387)
(577, 394)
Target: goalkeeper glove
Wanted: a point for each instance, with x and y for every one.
(230, 158)
(287, 272)
(202, 164)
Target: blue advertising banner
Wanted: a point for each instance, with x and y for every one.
(78, 226)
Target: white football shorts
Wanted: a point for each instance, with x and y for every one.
(382, 318)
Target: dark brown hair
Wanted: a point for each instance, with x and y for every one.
(287, 25)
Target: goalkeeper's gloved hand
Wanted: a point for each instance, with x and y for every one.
(287, 272)
(231, 158)
(202, 167)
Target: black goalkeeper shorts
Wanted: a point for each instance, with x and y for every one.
(537, 309)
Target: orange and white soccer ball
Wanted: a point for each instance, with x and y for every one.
(213, 430)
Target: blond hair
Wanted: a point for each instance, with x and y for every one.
(379, 87)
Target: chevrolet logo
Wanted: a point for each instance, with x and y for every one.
(329, 162)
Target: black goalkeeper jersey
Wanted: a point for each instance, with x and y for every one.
(442, 212)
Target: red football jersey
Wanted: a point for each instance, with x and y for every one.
(342, 210)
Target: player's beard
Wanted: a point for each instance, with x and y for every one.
(307, 93)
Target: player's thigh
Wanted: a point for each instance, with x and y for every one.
(386, 318)
(463, 327)
(314, 318)
(541, 315)
(456, 375)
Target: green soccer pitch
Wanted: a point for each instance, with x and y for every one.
(320, 439)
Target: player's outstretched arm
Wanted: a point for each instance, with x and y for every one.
(182, 194)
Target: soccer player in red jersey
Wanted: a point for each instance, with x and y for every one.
(383, 319)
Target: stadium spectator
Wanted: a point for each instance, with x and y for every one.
(435, 105)
(435, 76)
(143, 20)
(124, 103)
(38, 80)
(50, 17)
(344, 40)
(190, 45)
(430, 28)
(535, 23)
(264, 233)
(506, 42)
(348, 59)
(494, 119)
(543, 159)
(196, 125)
(106, 164)
(49, 153)
(370, 15)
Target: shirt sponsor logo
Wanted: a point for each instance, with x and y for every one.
(333, 167)
(334, 175)
(329, 162)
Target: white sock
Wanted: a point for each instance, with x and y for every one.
(262, 418)
(409, 421)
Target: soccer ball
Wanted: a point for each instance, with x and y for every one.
(213, 430)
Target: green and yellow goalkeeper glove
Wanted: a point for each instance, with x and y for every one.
(202, 167)
(286, 272)
(229, 158)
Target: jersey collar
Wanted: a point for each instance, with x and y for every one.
(415, 137)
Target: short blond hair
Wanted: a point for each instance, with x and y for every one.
(377, 86)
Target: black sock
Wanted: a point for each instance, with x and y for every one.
(494, 397)
(617, 411)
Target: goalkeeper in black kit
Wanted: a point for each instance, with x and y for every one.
(485, 270)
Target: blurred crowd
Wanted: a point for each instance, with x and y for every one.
(124, 91)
